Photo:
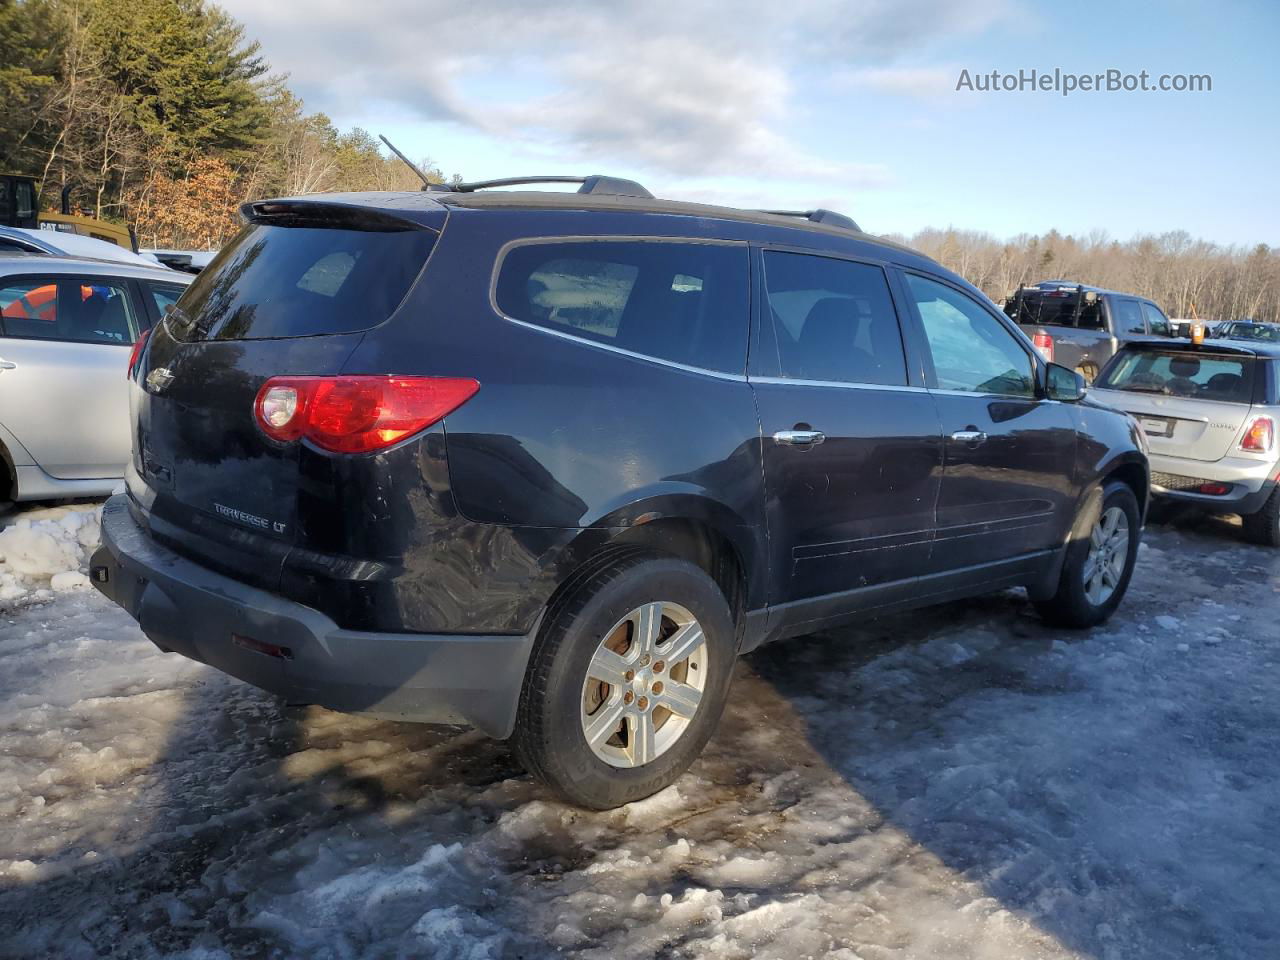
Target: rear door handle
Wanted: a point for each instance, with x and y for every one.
(799, 436)
(969, 436)
(7, 365)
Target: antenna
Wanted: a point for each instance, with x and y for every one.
(407, 162)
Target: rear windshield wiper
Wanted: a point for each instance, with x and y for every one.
(184, 323)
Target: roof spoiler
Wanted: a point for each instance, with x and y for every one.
(319, 212)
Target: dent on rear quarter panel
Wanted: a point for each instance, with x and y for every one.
(403, 558)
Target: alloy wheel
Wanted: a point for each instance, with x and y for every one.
(644, 684)
(1108, 556)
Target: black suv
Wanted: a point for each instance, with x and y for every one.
(546, 463)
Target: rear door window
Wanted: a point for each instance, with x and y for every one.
(289, 281)
(1179, 373)
(99, 312)
(681, 302)
(832, 321)
(1128, 316)
(75, 310)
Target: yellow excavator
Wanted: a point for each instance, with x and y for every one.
(20, 207)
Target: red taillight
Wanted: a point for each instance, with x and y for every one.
(137, 352)
(356, 414)
(1044, 344)
(1259, 435)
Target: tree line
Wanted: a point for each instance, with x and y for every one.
(1187, 277)
(162, 114)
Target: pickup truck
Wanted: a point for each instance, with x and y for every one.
(1082, 327)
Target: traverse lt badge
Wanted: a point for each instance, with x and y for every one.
(250, 519)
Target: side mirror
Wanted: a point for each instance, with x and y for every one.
(1063, 384)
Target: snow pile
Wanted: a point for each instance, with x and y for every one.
(47, 551)
(959, 783)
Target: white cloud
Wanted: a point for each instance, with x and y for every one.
(925, 82)
(677, 86)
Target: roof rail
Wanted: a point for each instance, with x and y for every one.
(594, 184)
(829, 217)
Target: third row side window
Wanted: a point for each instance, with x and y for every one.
(682, 302)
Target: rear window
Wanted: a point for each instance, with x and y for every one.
(1056, 309)
(682, 302)
(278, 281)
(1228, 379)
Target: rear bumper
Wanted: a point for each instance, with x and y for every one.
(189, 609)
(1251, 482)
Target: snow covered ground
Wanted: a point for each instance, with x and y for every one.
(956, 783)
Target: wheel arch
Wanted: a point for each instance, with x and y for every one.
(8, 475)
(1135, 475)
(709, 534)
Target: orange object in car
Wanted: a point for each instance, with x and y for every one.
(39, 304)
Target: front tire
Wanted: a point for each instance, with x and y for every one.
(1099, 561)
(627, 680)
(1263, 527)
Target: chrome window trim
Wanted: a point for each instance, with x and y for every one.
(846, 385)
(507, 247)
(990, 396)
(718, 374)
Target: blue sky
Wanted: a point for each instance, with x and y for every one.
(851, 106)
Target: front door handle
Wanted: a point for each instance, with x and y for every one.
(969, 436)
(799, 436)
(7, 364)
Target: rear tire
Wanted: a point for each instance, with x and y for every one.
(1099, 562)
(1263, 527)
(635, 622)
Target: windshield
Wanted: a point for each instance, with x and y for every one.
(1228, 379)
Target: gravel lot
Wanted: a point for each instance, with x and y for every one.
(958, 782)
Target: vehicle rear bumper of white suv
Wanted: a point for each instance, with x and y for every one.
(1250, 480)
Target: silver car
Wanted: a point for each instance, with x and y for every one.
(67, 328)
(1210, 413)
(64, 244)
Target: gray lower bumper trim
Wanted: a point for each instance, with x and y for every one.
(184, 607)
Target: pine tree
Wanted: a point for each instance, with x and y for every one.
(191, 78)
